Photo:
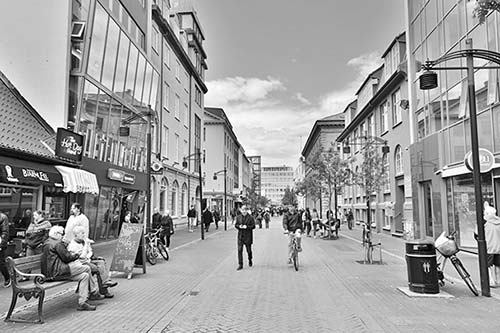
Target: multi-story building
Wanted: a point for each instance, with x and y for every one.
(275, 180)
(380, 117)
(178, 54)
(256, 165)
(443, 190)
(321, 138)
(113, 75)
(298, 176)
(221, 151)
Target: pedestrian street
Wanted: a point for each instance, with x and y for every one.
(199, 290)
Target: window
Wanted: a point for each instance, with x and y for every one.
(164, 141)
(197, 96)
(163, 194)
(178, 70)
(384, 121)
(184, 200)
(166, 55)
(166, 97)
(177, 110)
(173, 197)
(155, 40)
(396, 108)
(398, 161)
(186, 81)
(177, 151)
(186, 115)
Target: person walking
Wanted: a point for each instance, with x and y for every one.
(306, 217)
(216, 215)
(156, 219)
(492, 238)
(4, 238)
(267, 218)
(207, 218)
(191, 218)
(245, 224)
(77, 218)
(167, 229)
(350, 219)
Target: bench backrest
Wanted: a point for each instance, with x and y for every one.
(24, 264)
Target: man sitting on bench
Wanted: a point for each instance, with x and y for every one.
(57, 263)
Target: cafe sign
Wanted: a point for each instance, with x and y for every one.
(121, 176)
(69, 145)
(486, 160)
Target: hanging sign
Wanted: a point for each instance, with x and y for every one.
(486, 160)
(69, 145)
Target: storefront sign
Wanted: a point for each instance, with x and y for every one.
(69, 145)
(121, 176)
(15, 174)
(486, 160)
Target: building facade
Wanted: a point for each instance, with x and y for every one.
(443, 191)
(256, 172)
(275, 180)
(321, 138)
(380, 118)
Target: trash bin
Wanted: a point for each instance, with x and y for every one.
(422, 267)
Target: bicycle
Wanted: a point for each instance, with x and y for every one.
(295, 248)
(447, 248)
(154, 247)
(368, 245)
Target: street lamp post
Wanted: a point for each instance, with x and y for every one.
(428, 80)
(197, 156)
(225, 195)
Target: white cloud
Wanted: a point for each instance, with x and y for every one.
(275, 129)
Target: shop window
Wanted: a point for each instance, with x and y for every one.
(184, 200)
(19, 205)
(173, 197)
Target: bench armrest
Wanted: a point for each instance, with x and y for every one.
(38, 279)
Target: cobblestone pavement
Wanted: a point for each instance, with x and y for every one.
(199, 290)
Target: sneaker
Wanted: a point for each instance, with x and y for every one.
(110, 284)
(85, 307)
(7, 283)
(96, 297)
(108, 295)
(250, 263)
(239, 268)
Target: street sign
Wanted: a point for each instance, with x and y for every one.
(486, 160)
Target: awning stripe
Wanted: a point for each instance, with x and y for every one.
(78, 181)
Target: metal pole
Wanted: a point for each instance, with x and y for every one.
(225, 201)
(476, 175)
(201, 195)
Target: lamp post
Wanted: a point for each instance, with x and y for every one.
(225, 195)
(197, 156)
(428, 80)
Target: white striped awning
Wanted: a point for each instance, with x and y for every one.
(78, 181)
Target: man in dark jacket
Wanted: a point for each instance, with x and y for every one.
(4, 238)
(58, 263)
(293, 225)
(207, 218)
(156, 219)
(167, 228)
(245, 225)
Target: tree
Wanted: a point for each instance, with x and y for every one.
(254, 199)
(310, 186)
(483, 7)
(371, 177)
(289, 198)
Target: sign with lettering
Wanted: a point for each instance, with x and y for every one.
(127, 247)
(69, 145)
(486, 160)
(121, 176)
(17, 174)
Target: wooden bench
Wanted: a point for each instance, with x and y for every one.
(33, 288)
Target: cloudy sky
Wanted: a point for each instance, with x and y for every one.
(276, 66)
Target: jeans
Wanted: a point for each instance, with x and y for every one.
(291, 236)
(82, 274)
(3, 265)
(240, 252)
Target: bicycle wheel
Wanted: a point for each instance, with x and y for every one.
(163, 251)
(295, 259)
(150, 255)
(464, 274)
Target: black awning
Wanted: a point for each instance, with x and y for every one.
(16, 171)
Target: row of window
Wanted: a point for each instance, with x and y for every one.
(180, 151)
(170, 200)
(127, 23)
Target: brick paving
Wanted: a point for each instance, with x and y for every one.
(199, 290)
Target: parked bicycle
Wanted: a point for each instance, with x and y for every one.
(154, 247)
(295, 248)
(447, 249)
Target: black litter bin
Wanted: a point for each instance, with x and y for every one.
(422, 267)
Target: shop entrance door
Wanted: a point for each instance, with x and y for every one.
(398, 208)
(428, 214)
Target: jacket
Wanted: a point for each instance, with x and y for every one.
(37, 233)
(245, 234)
(167, 224)
(292, 222)
(4, 231)
(192, 213)
(55, 260)
(207, 217)
(492, 235)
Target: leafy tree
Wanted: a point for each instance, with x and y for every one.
(289, 198)
(255, 200)
(483, 7)
(371, 176)
(310, 186)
